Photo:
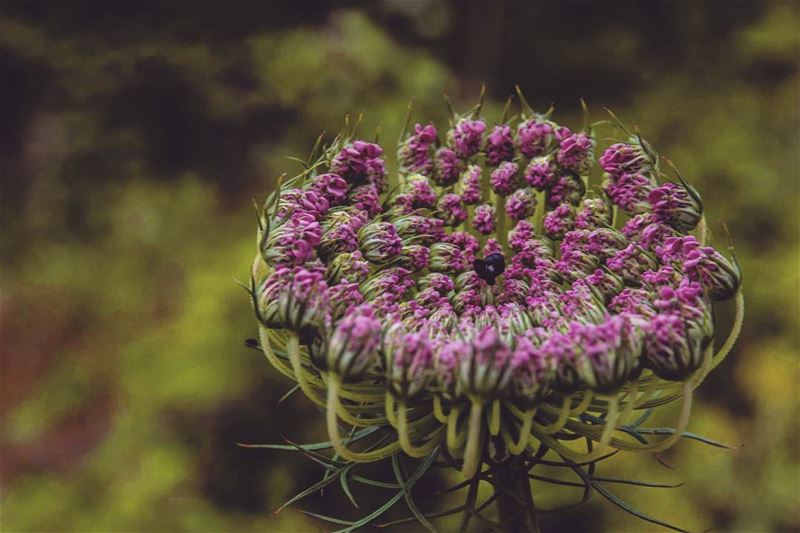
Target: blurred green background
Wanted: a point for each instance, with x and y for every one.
(134, 136)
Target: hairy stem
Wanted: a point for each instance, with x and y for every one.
(515, 507)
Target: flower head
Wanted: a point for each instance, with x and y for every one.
(415, 154)
(676, 205)
(421, 313)
(484, 219)
(379, 242)
(520, 204)
(332, 187)
(447, 167)
(540, 173)
(469, 185)
(353, 344)
(358, 162)
(534, 136)
(499, 145)
(575, 153)
(451, 209)
(466, 137)
(408, 361)
(294, 298)
(504, 178)
(625, 158)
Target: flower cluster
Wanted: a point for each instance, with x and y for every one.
(489, 281)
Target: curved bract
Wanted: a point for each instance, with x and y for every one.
(404, 302)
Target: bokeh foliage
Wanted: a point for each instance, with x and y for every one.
(135, 136)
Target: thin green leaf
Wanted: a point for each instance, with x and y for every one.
(394, 499)
(639, 421)
(472, 496)
(630, 509)
(319, 485)
(298, 160)
(330, 519)
(455, 487)
(633, 433)
(346, 487)
(374, 483)
(412, 506)
(318, 458)
(437, 514)
(639, 483)
(289, 393)
(360, 434)
(686, 435)
(565, 464)
(555, 481)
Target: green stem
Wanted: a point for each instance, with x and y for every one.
(515, 507)
(472, 453)
(502, 230)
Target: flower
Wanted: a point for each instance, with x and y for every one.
(533, 136)
(291, 241)
(566, 188)
(499, 145)
(417, 313)
(575, 153)
(451, 210)
(469, 186)
(702, 264)
(631, 262)
(353, 345)
(379, 242)
(358, 162)
(332, 187)
(466, 137)
(529, 372)
(408, 361)
(347, 267)
(540, 173)
(298, 200)
(559, 221)
(485, 367)
(610, 351)
(414, 256)
(624, 158)
(366, 197)
(521, 232)
(448, 167)
(674, 346)
(504, 178)
(520, 204)
(484, 219)
(294, 298)
(415, 154)
(446, 257)
(629, 191)
(593, 213)
(676, 205)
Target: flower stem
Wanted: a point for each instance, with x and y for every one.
(293, 347)
(472, 453)
(404, 436)
(332, 406)
(515, 507)
(502, 230)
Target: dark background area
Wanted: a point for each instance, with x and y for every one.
(133, 137)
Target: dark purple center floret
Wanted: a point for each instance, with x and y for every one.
(488, 269)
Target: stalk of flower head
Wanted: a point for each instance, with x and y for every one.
(491, 305)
